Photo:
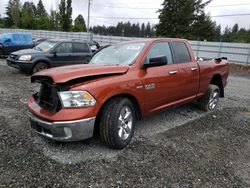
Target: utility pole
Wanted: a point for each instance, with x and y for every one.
(88, 15)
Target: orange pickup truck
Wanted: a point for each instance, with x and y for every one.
(122, 84)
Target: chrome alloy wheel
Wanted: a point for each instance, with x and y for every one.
(125, 123)
(213, 101)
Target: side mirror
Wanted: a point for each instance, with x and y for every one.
(54, 52)
(156, 61)
(93, 48)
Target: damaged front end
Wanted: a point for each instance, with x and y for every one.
(47, 98)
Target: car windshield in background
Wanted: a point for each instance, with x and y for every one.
(45, 46)
(123, 54)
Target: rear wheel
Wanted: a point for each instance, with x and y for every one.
(39, 67)
(210, 100)
(117, 123)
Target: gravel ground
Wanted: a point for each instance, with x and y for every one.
(180, 147)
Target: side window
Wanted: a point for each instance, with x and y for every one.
(161, 49)
(181, 52)
(80, 47)
(64, 48)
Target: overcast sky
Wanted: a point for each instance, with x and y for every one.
(146, 9)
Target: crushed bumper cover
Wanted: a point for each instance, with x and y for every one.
(63, 130)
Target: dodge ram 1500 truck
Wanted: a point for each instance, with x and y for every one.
(120, 85)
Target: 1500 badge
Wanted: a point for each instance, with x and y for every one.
(150, 86)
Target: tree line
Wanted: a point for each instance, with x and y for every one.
(126, 29)
(31, 16)
(182, 19)
(187, 19)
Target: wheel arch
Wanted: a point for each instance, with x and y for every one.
(41, 61)
(217, 80)
(131, 98)
(123, 95)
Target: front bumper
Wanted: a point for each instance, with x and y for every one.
(21, 65)
(63, 130)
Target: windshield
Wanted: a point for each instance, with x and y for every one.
(123, 54)
(45, 46)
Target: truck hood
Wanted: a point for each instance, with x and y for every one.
(72, 72)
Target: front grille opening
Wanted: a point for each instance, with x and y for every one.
(48, 98)
(13, 56)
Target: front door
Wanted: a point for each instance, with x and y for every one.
(62, 55)
(160, 83)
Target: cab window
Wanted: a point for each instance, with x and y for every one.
(161, 49)
(64, 48)
(181, 52)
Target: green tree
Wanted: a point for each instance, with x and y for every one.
(179, 18)
(28, 16)
(13, 11)
(235, 28)
(203, 28)
(148, 30)
(2, 24)
(217, 35)
(42, 18)
(40, 9)
(79, 24)
(54, 20)
(227, 36)
(143, 30)
(65, 13)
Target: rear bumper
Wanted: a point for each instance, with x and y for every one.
(24, 66)
(63, 130)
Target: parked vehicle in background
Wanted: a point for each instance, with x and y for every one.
(11, 42)
(37, 41)
(94, 46)
(121, 84)
(50, 53)
(100, 49)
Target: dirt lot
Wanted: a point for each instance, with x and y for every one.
(181, 147)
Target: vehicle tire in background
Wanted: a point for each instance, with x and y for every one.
(117, 123)
(210, 100)
(39, 67)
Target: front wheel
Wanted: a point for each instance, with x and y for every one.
(210, 100)
(39, 67)
(117, 123)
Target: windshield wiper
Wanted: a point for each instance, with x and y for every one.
(37, 47)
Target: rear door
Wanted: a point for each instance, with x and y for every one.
(188, 70)
(63, 54)
(81, 52)
(160, 83)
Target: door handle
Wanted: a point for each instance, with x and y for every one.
(172, 72)
(194, 68)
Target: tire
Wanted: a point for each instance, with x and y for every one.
(116, 130)
(39, 67)
(210, 100)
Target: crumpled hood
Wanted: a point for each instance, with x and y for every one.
(68, 73)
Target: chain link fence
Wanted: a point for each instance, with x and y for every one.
(236, 52)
